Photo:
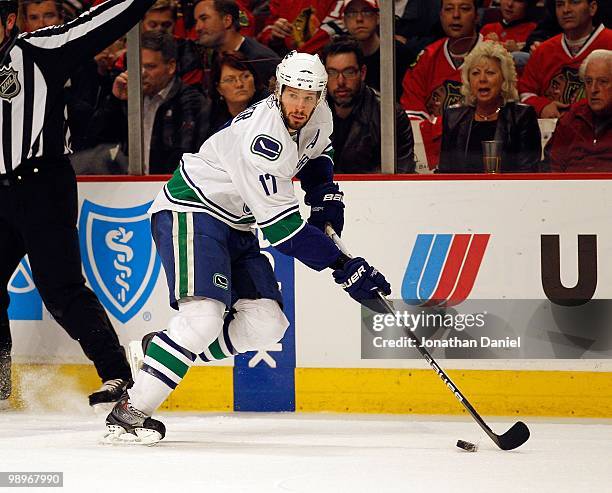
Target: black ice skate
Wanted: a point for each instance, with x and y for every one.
(110, 392)
(5, 379)
(127, 425)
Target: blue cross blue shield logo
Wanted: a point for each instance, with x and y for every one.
(26, 303)
(119, 256)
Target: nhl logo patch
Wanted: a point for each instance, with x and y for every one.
(9, 84)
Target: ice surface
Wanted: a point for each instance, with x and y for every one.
(310, 453)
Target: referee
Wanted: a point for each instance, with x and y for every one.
(38, 192)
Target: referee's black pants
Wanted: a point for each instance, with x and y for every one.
(38, 215)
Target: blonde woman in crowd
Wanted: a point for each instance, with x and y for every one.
(491, 112)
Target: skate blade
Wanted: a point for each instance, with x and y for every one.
(116, 435)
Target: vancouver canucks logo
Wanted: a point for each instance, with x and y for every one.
(9, 83)
(119, 256)
(266, 146)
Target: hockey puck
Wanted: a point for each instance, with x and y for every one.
(467, 446)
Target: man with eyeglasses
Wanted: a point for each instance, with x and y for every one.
(583, 138)
(356, 112)
(361, 19)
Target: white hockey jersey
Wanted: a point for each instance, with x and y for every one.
(243, 174)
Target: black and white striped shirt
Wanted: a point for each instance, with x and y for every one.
(33, 75)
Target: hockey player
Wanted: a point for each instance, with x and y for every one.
(202, 226)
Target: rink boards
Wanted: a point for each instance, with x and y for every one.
(319, 366)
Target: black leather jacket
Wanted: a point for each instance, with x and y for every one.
(517, 128)
(180, 125)
(361, 151)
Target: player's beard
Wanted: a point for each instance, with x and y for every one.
(293, 125)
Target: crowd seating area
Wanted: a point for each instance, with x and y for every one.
(205, 61)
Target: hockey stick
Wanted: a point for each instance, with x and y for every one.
(513, 438)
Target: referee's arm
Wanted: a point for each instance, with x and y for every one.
(67, 45)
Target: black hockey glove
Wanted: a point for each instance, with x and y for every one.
(326, 206)
(361, 281)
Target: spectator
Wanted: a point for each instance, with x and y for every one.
(491, 112)
(583, 138)
(548, 26)
(162, 18)
(550, 82)
(515, 27)
(356, 112)
(218, 28)
(434, 82)
(185, 24)
(37, 14)
(235, 86)
(304, 25)
(361, 20)
(174, 115)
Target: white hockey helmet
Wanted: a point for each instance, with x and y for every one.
(301, 71)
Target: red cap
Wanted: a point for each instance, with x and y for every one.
(371, 3)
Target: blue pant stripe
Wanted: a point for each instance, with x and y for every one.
(185, 352)
(159, 375)
(226, 338)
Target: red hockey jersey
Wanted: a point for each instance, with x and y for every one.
(433, 83)
(314, 22)
(552, 72)
(513, 32)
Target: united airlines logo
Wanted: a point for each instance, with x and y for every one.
(266, 146)
(26, 303)
(443, 268)
(119, 256)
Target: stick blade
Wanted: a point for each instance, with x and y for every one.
(514, 437)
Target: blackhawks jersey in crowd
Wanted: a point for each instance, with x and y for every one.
(314, 23)
(433, 83)
(552, 72)
(243, 174)
(513, 31)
